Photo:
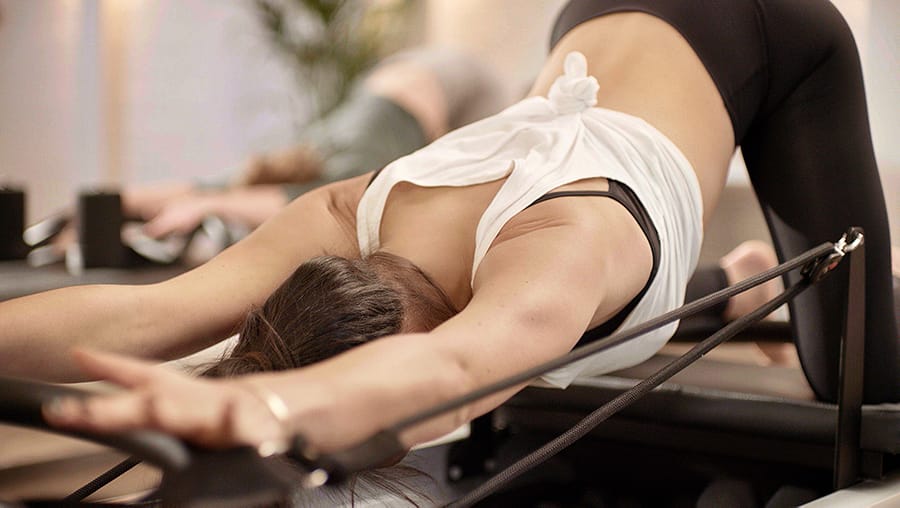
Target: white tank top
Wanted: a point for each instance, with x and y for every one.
(550, 142)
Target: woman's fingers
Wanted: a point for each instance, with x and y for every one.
(119, 369)
(181, 411)
(209, 413)
(213, 420)
(100, 414)
(147, 200)
(180, 217)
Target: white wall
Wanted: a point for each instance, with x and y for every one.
(203, 90)
(99, 92)
(880, 47)
(48, 102)
(512, 35)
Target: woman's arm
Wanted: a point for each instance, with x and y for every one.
(181, 315)
(249, 206)
(535, 294)
(542, 284)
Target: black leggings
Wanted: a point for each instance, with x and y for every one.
(789, 74)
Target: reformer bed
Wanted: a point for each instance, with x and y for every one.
(758, 428)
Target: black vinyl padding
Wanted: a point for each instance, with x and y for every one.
(18, 279)
(776, 415)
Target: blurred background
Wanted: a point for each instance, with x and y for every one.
(106, 92)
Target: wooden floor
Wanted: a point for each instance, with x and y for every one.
(40, 465)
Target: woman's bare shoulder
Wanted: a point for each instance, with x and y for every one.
(344, 196)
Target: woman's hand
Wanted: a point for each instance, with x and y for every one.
(145, 201)
(250, 206)
(209, 413)
(139, 201)
(181, 216)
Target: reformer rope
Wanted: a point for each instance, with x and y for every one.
(102, 480)
(387, 439)
(625, 399)
(620, 337)
(373, 452)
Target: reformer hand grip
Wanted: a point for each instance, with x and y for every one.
(236, 477)
(99, 230)
(380, 450)
(12, 223)
(21, 402)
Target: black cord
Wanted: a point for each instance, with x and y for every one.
(626, 398)
(371, 451)
(103, 480)
(592, 420)
(618, 338)
(383, 445)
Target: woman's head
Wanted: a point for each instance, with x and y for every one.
(331, 304)
(327, 306)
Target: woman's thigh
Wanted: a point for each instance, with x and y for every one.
(810, 157)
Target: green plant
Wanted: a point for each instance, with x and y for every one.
(331, 43)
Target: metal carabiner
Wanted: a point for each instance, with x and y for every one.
(842, 246)
(848, 242)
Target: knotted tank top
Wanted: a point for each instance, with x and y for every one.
(542, 143)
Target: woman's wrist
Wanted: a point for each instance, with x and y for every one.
(250, 205)
(277, 408)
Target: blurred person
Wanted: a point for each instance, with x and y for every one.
(407, 101)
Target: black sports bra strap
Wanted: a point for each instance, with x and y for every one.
(622, 194)
(374, 176)
(561, 194)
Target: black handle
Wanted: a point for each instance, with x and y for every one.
(379, 450)
(21, 402)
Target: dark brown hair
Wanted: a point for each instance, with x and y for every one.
(327, 306)
(331, 304)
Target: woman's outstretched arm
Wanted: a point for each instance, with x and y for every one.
(182, 315)
(535, 293)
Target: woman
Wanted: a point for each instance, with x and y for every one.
(646, 157)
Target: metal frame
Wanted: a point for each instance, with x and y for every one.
(847, 452)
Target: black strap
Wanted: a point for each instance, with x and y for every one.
(627, 397)
(622, 194)
(103, 480)
(565, 194)
(813, 272)
(374, 176)
(847, 454)
(373, 452)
